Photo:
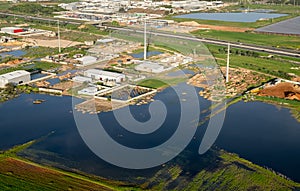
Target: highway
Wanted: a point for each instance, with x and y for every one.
(271, 50)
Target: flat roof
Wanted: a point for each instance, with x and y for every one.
(105, 73)
(14, 74)
(13, 28)
(150, 65)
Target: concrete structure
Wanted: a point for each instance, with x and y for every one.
(88, 91)
(87, 60)
(81, 79)
(104, 76)
(16, 77)
(150, 67)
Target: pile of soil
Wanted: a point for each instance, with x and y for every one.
(282, 90)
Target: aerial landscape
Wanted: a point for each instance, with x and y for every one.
(149, 95)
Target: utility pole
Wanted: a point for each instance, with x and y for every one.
(145, 40)
(227, 68)
(58, 36)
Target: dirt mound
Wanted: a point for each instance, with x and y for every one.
(214, 27)
(282, 90)
(190, 23)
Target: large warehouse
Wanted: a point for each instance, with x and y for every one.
(102, 75)
(16, 77)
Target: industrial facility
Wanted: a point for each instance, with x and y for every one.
(102, 75)
(16, 77)
(151, 67)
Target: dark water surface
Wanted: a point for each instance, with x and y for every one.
(262, 133)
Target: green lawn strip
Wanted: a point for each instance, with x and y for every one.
(160, 82)
(279, 41)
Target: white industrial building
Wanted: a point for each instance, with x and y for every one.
(87, 60)
(16, 77)
(104, 76)
(150, 67)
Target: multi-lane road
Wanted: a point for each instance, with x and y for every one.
(271, 50)
(268, 49)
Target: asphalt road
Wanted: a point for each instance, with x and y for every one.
(271, 50)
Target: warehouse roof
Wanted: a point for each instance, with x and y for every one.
(105, 73)
(15, 74)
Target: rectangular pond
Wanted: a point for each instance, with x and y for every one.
(232, 17)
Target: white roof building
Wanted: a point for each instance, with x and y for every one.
(150, 67)
(16, 77)
(102, 75)
(87, 60)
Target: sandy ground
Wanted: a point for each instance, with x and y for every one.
(213, 27)
(282, 90)
(53, 43)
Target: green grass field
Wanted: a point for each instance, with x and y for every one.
(272, 66)
(291, 42)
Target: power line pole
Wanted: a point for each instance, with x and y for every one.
(145, 40)
(227, 68)
(58, 36)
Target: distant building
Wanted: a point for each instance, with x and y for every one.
(87, 60)
(11, 30)
(150, 67)
(16, 77)
(104, 76)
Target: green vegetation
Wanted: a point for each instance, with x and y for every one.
(20, 174)
(36, 66)
(34, 9)
(38, 52)
(89, 33)
(291, 42)
(271, 66)
(218, 170)
(152, 83)
(45, 65)
(215, 170)
(160, 82)
(11, 91)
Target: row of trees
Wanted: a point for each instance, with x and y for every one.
(239, 52)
